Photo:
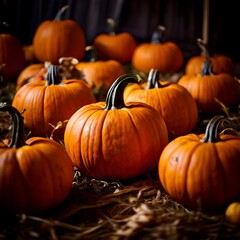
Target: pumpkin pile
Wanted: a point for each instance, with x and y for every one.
(106, 110)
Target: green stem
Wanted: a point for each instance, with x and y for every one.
(91, 53)
(203, 46)
(212, 129)
(18, 133)
(114, 98)
(207, 68)
(61, 12)
(157, 34)
(153, 79)
(53, 77)
(112, 26)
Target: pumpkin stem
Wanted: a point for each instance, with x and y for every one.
(212, 129)
(53, 76)
(203, 46)
(157, 34)
(114, 98)
(112, 26)
(61, 14)
(206, 68)
(153, 79)
(91, 53)
(18, 133)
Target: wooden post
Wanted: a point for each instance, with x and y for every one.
(205, 30)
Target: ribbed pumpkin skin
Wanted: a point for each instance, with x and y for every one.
(35, 177)
(201, 175)
(220, 64)
(206, 88)
(59, 38)
(50, 104)
(166, 57)
(117, 143)
(101, 72)
(119, 47)
(11, 54)
(174, 102)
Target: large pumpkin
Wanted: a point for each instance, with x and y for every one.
(202, 171)
(112, 140)
(115, 45)
(36, 174)
(220, 62)
(99, 72)
(12, 58)
(208, 89)
(47, 102)
(176, 105)
(58, 38)
(164, 56)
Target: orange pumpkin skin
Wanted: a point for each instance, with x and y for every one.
(206, 88)
(46, 104)
(36, 174)
(201, 175)
(175, 104)
(220, 64)
(11, 56)
(115, 141)
(232, 213)
(119, 47)
(101, 72)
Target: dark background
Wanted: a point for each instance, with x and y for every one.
(183, 20)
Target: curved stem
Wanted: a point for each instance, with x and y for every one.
(114, 98)
(207, 68)
(112, 26)
(153, 79)
(157, 34)
(18, 133)
(61, 12)
(91, 52)
(203, 46)
(53, 76)
(212, 129)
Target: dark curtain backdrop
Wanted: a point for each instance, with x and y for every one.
(182, 18)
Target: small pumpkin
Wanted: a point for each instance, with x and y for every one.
(220, 62)
(58, 38)
(98, 72)
(176, 105)
(232, 213)
(50, 101)
(115, 45)
(36, 174)
(208, 89)
(202, 171)
(164, 56)
(111, 140)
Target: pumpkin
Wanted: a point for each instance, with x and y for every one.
(202, 171)
(220, 62)
(98, 72)
(176, 105)
(12, 58)
(115, 45)
(58, 38)
(164, 56)
(232, 213)
(50, 101)
(111, 140)
(36, 174)
(208, 89)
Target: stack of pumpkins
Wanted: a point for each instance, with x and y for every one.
(141, 124)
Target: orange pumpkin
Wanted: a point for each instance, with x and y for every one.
(36, 174)
(232, 213)
(208, 89)
(220, 62)
(12, 58)
(58, 38)
(99, 72)
(112, 140)
(202, 171)
(115, 46)
(47, 102)
(175, 104)
(164, 56)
